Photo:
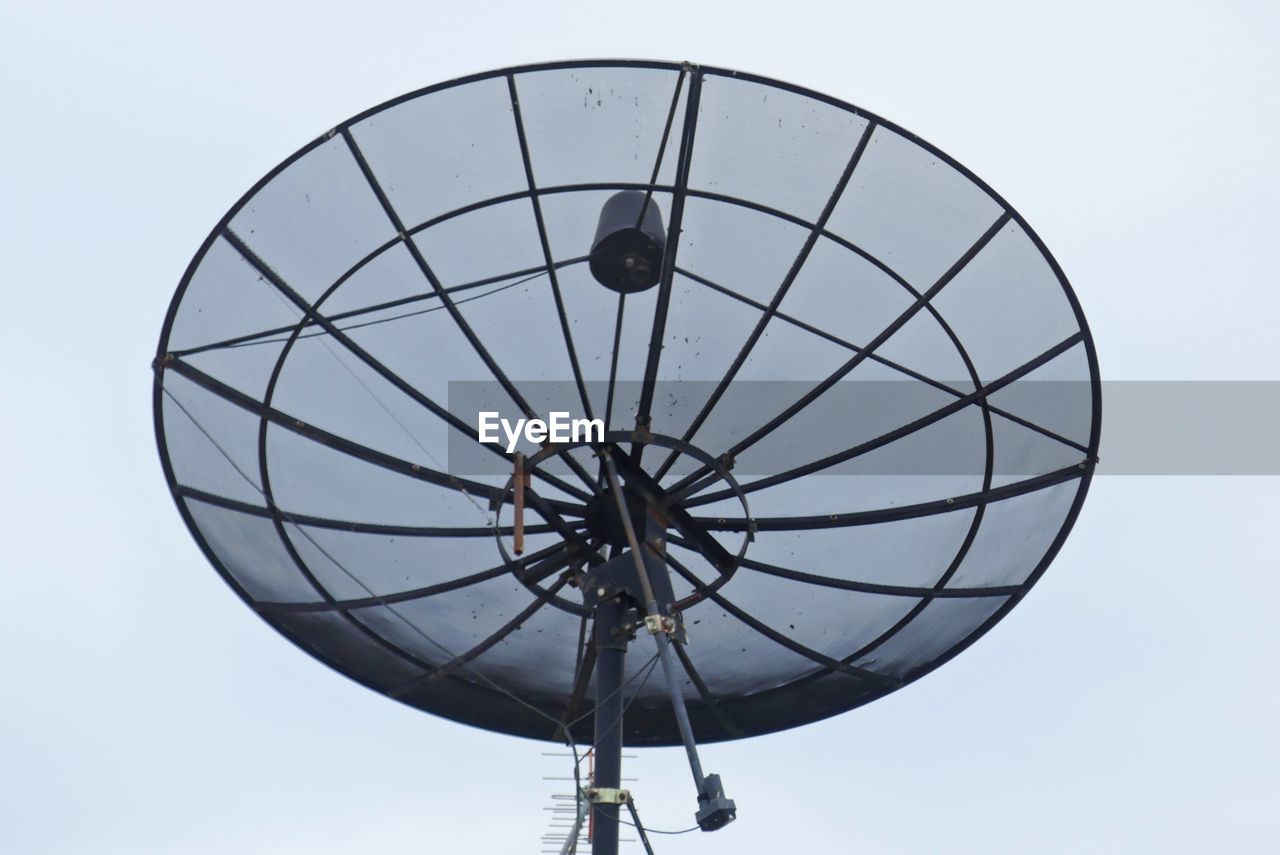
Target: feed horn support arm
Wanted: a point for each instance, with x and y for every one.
(638, 580)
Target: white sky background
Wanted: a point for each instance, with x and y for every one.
(1129, 704)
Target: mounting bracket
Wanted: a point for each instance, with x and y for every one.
(608, 796)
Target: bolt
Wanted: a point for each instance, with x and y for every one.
(600, 592)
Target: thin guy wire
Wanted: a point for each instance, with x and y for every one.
(489, 520)
(363, 324)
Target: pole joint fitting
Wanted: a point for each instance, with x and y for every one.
(608, 796)
(660, 624)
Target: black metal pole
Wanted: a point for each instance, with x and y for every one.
(611, 653)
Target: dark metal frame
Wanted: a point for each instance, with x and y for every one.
(720, 718)
(697, 530)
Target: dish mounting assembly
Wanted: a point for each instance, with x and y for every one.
(847, 408)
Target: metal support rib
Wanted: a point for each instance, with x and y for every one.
(505, 630)
(912, 591)
(858, 358)
(773, 635)
(265, 336)
(719, 197)
(669, 257)
(368, 359)
(586, 667)
(452, 308)
(557, 554)
(898, 433)
(648, 195)
(461, 660)
(613, 363)
(278, 519)
(355, 449)
(902, 512)
(801, 257)
(391, 530)
(877, 358)
(662, 144)
(546, 248)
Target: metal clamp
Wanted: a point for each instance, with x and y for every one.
(608, 796)
(660, 624)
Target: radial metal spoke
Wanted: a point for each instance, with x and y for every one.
(458, 319)
(487, 644)
(815, 231)
(350, 447)
(546, 250)
(898, 433)
(576, 541)
(554, 190)
(368, 359)
(858, 358)
(417, 594)
(913, 591)
(882, 360)
(582, 680)
(667, 272)
(901, 512)
(389, 529)
(773, 635)
(712, 551)
(662, 143)
(265, 336)
(613, 363)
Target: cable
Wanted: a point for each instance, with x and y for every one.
(399, 317)
(647, 670)
(490, 520)
(649, 830)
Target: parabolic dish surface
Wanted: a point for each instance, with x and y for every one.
(890, 357)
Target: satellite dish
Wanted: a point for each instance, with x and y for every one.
(849, 406)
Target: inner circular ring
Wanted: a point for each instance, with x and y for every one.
(718, 467)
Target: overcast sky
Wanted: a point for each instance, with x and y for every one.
(1128, 704)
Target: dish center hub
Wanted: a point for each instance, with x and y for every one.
(605, 523)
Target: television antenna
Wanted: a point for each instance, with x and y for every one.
(849, 407)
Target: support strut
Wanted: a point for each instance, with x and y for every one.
(714, 809)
